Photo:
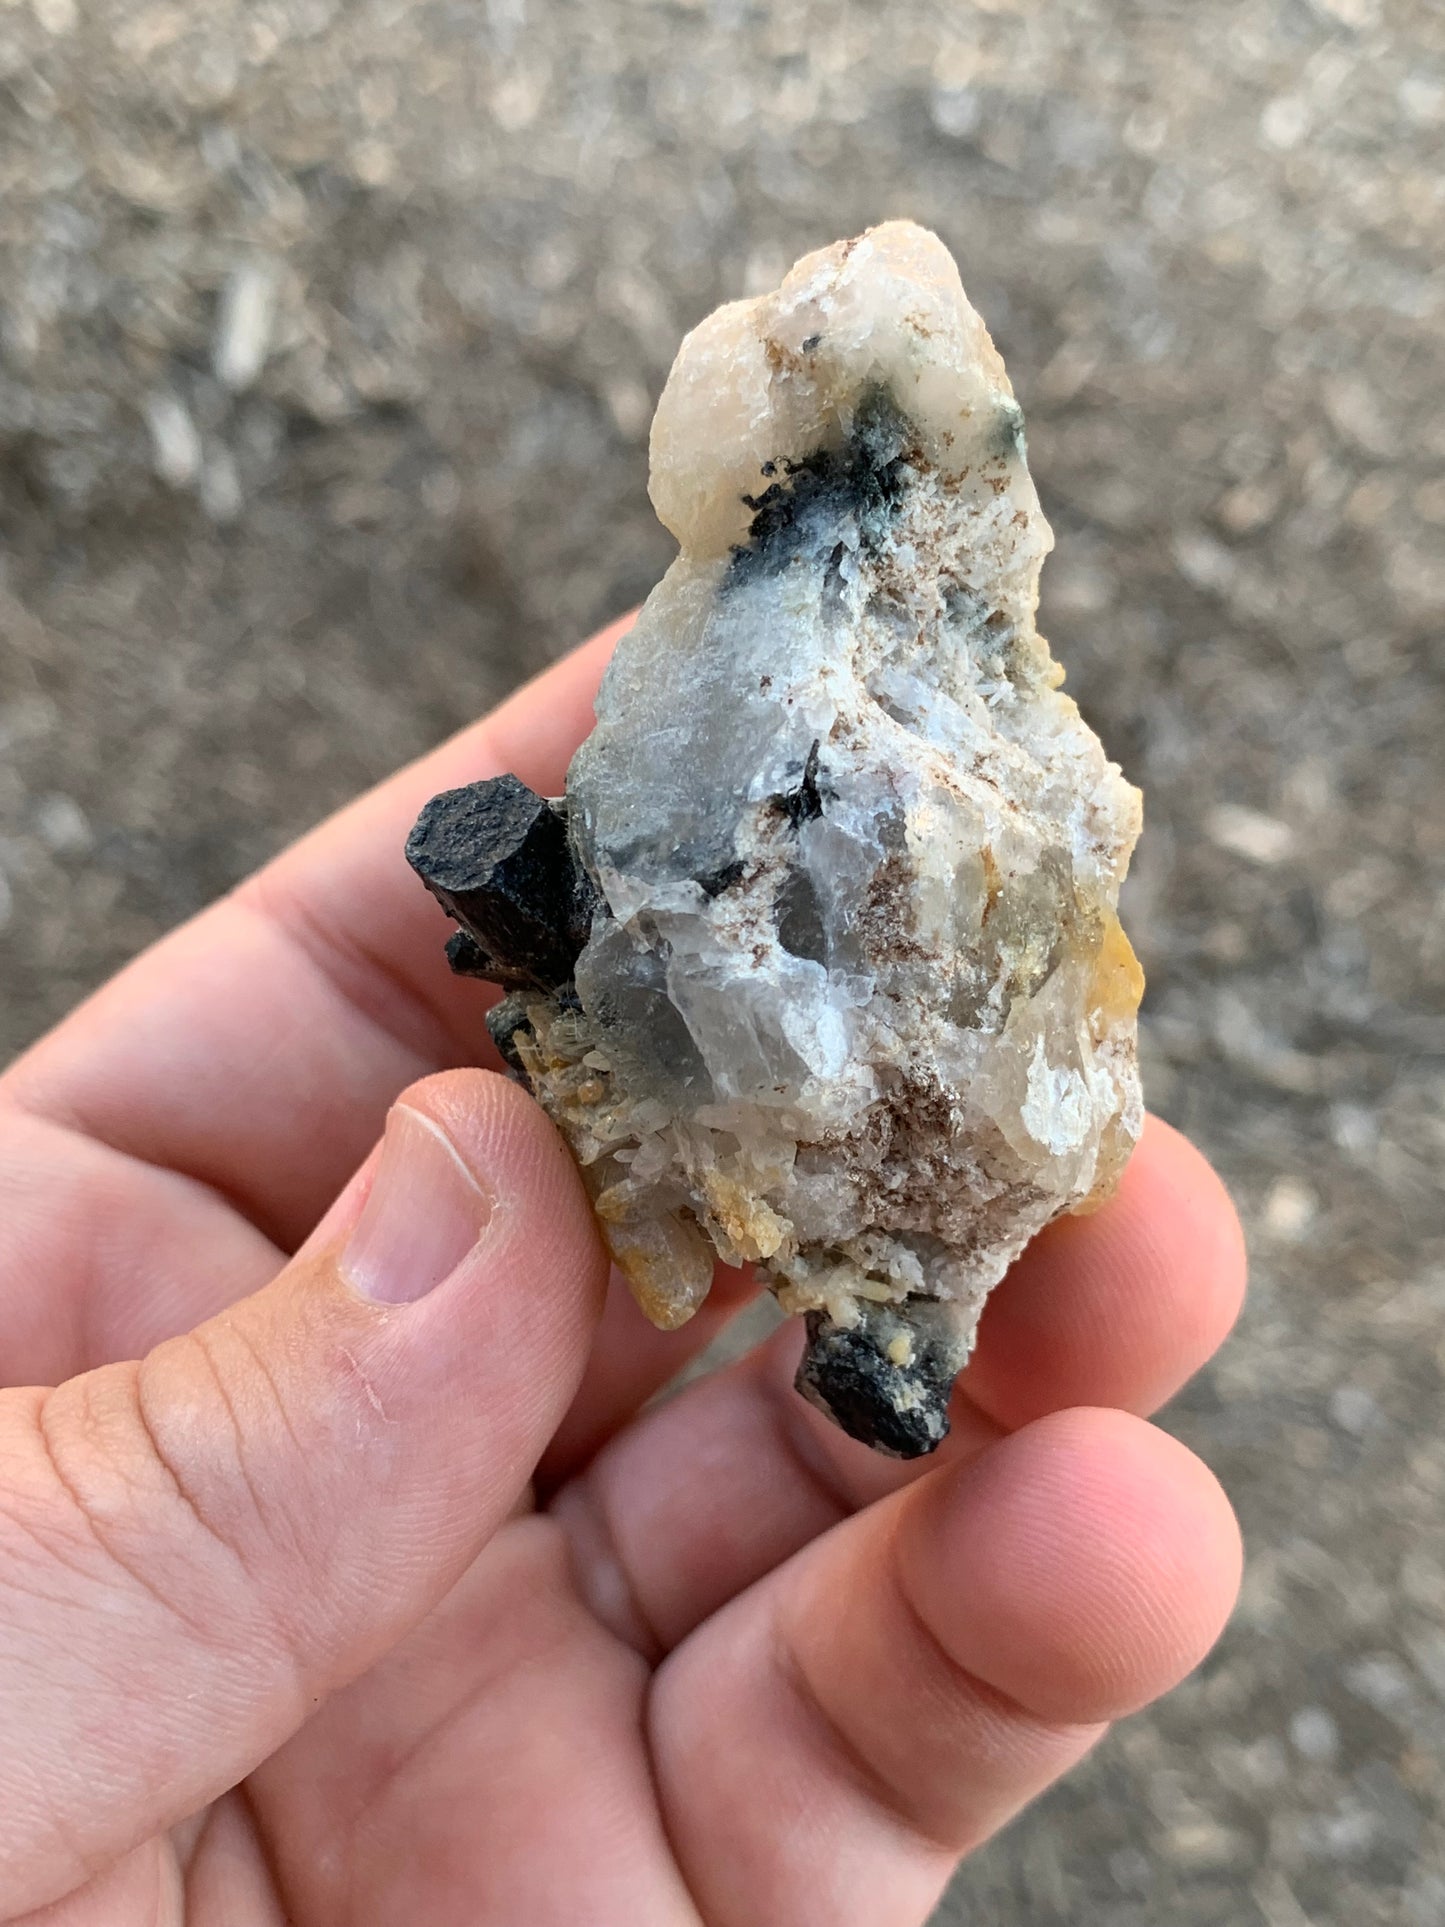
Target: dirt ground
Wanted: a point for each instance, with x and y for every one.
(329, 336)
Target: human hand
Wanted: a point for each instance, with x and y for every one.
(376, 1594)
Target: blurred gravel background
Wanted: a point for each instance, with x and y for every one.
(329, 336)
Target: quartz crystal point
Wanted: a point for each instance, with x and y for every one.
(817, 966)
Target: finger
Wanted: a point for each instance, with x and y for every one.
(490, 1769)
(143, 1887)
(98, 1253)
(702, 1496)
(257, 1048)
(228, 1877)
(197, 1549)
(223, 1877)
(829, 1744)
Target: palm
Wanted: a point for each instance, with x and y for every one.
(720, 1663)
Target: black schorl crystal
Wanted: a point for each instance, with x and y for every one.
(863, 482)
(498, 859)
(805, 803)
(886, 1380)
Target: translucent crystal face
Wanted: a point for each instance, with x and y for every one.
(855, 1004)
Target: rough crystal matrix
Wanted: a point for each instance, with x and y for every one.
(817, 965)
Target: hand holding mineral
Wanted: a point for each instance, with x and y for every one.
(352, 1570)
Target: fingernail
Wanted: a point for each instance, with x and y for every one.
(424, 1214)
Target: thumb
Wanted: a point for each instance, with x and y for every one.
(196, 1549)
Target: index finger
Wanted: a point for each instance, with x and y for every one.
(258, 1047)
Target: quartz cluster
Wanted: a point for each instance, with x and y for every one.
(817, 965)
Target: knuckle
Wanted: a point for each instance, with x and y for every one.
(140, 1477)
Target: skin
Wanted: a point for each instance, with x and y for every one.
(315, 1610)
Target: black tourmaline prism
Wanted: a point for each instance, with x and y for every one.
(887, 1379)
(498, 859)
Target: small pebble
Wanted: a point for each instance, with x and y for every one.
(1290, 1207)
(1353, 1410)
(243, 324)
(175, 439)
(1249, 833)
(1314, 1734)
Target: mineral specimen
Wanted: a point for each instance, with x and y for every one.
(817, 966)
